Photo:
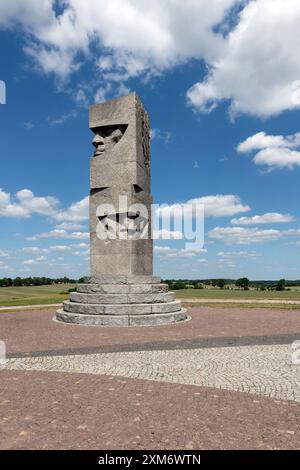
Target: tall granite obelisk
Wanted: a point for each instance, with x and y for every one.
(122, 290)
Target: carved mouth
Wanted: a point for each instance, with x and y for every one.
(99, 151)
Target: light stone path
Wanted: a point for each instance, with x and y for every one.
(262, 370)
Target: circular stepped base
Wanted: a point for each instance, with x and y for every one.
(122, 301)
(121, 320)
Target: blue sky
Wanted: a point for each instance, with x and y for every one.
(221, 82)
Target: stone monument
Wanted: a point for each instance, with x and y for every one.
(122, 290)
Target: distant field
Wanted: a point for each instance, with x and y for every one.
(33, 295)
(236, 294)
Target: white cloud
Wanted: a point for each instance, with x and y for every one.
(34, 249)
(60, 248)
(62, 119)
(81, 245)
(3, 253)
(115, 28)
(81, 253)
(81, 98)
(252, 57)
(69, 226)
(273, 151)
(30, 262)
(238, 254)
(220, 205)
(268, 218)
(157, 134)
(60, 234)
(26, 203)
(175, 252)
(257, 69)
(244, 236)
(101, 93)
(77, 211)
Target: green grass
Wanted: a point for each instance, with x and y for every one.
(34, 295)
(237, 294)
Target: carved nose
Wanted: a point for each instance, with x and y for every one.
(98, 140)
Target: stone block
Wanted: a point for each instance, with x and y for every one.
(167, 307)
(88, 309)
(103, 288)
(158, 319)
(99, 298)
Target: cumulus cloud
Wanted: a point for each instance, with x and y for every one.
(268, 218)
(250, 47)
(77, 211)
(60, 234)
(273, 151)
(58, 41)
(69, 226)
(257, 68)
(30, 262)
(34, 250)
(3, 254)
(238, 254)
(244, 236)
(177, 252)
(247, 236)
(25, 203)
(220, 205)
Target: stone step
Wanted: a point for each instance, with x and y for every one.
(122, 288)
(121, 320)
(123, 279)
(122, 298)
(121, 309)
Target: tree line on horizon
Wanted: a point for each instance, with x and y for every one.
(36, 281)
(175, 284)
(242, 283)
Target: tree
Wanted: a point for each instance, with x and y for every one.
(18, 282)
(280, 284)
(221, 283)
(243, 283)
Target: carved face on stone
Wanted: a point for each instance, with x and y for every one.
(106, 138)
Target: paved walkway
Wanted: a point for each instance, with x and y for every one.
(262, 370)
(224, 379)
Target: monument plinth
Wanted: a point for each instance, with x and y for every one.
(122, 290)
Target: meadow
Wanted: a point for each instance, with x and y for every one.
(34, 295)
(238, 294)
(57, 293)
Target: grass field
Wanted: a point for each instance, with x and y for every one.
(34, 295)
(236, 294)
